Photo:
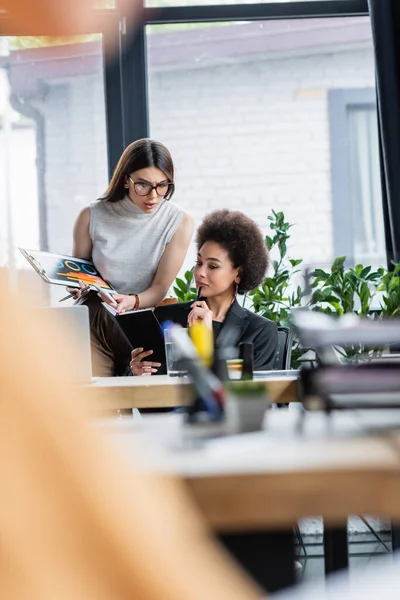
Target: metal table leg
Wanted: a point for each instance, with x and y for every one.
(336, 549)
(267, 557)
(395, 536)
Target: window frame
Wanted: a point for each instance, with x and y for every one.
(136, 87)
(251, 12)
(125, 62)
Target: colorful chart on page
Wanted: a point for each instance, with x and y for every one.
(65, 270)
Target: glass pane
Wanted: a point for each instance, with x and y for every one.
(365, 195)
(53, 158)
(244, 109)
(213, 2)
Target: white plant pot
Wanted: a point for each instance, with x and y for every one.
(245, 413)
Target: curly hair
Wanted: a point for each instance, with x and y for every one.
(242, 239)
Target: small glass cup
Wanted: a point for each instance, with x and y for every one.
(175, 366)
(235, 367)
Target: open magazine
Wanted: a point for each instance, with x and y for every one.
(61, 269)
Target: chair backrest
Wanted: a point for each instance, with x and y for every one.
(284, 352)
(167, 301)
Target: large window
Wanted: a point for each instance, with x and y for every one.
(244, 108)
(52, 140)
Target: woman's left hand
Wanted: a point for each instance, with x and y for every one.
(200, 312)
(139, 366)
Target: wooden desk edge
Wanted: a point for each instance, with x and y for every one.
(280, 500)
(169, 396)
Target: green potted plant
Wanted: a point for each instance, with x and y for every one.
(277, 296)
(272, 299)
(389, 288)
(184, 289)
(344, 290)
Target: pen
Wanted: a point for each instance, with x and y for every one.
(104, 292)
(84, 289)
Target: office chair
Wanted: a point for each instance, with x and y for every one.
(284, 352)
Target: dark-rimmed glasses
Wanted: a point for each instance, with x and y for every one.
(143, 188)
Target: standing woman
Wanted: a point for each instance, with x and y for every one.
(137, 240)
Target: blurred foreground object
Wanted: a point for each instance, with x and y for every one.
(75, 521)
(60, 17)
(337, 385)
(318, 330)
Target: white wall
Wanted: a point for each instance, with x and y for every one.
(76, 153)
(23, 198)
(255, 137)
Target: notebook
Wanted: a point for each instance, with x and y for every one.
(73, 353)
(143, 330)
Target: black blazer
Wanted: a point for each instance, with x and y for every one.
(240, 325)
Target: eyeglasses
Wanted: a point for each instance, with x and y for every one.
(164, 188)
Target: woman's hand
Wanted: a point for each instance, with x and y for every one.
(121, 302)
(142, 368)
(77, 292)
(200, 312)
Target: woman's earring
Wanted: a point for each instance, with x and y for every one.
(236, 289)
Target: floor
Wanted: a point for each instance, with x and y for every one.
(363, 546)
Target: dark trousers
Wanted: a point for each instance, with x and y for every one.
(111, 351)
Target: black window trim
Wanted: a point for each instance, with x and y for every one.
(260, 11)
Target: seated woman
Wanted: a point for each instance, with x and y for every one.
(232, 258)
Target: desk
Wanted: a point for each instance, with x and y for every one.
(249, 485)
(272, 479)
(161, 391)
(330, 479)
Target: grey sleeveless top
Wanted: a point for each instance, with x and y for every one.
(128, 244)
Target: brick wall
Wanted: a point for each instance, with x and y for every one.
(76, 155)
(255, 137)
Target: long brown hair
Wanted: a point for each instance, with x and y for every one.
(140, 155)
